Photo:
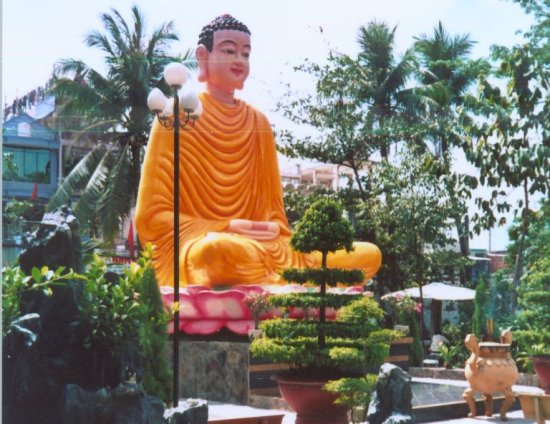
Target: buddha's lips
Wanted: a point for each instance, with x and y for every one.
(259, 226)
(237, 71)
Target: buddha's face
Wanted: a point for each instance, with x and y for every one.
(226, 67)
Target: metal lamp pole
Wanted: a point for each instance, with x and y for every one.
(175, 75)
(176, 346)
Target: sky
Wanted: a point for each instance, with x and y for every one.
(36, 34)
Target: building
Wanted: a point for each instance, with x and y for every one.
(324, 175)
(31, 155)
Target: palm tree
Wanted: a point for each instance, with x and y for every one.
(385, 77)
(111, 110)
(446, 73)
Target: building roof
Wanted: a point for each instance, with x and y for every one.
(45, 108)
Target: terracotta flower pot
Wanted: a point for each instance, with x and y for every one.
(541, 364)
(312, 404)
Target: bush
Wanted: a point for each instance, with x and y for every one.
(153, 334)
(406, 311)
(456, 353)
(480, 306)
(124, 322)
(15, 284)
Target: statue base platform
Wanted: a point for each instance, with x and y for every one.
(204, 311)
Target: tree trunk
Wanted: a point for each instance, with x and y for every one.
(358, 179)
(463, 230)
(518, 266)
(136, 177)
(322, 308)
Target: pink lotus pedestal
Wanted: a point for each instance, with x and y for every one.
(204, 311)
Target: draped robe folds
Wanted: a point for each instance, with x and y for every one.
(228, 170)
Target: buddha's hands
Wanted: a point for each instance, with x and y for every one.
(257, 230)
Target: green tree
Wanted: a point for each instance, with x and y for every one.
(446, 74)
(153, 335)
(359, 107)
(383, 86)
(512, 148)
(411, 227)
(480, 304)
(297, 201)
(111, 110)
(324, 229)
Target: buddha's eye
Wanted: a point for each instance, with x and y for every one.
(229, 51)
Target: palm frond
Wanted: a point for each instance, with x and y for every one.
(137, 35)
(159, 39)
(86, 208)
(189, 59)
(116, 199)
(110, 24)
(97, 39)
(77, 179)
(114, 104)
(70, 66)
(397, 75)
(121, 24)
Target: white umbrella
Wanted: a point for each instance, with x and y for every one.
(438, 291)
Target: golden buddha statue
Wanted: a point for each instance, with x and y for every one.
(233, 227)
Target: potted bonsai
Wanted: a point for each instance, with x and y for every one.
(316, 350)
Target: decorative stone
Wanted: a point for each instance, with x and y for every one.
(391, 400)
(55, 243)
(191, 411)
(44, 359)
(214, 370)
(42, 349)
(125, 404)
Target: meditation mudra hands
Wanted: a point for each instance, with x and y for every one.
(256, 230)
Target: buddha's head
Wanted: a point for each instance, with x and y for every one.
(223, 52)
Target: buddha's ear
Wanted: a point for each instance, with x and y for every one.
(202, 58)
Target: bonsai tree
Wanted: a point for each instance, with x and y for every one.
(313, 346)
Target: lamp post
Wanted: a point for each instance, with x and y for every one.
(169, 116)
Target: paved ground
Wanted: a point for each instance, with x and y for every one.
(223, 410)
(227, 410)
(513, 417)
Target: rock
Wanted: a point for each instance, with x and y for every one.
(43, 350)
(48, 377)
(391, 400)
(78, 405)
(55, 243)
(125, 404)
(191, 411)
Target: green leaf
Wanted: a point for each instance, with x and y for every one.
(36, 275)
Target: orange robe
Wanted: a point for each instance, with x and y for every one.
(228, 170)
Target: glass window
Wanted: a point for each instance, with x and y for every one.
(27, 165)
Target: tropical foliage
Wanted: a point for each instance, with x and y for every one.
(433, 103)
(110, 110)
(122, 324)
